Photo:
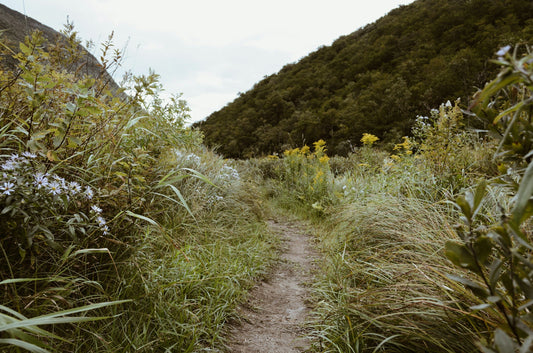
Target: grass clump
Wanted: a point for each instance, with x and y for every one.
(384, 286)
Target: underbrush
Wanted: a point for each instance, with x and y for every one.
(114, 219)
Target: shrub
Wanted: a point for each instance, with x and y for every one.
(496, 246)
(455, 154)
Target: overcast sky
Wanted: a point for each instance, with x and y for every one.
(209, 50)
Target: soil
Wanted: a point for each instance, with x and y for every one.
(277, 308)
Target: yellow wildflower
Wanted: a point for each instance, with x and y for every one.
(291, 152)
(369, 139)
(319, 144)
(395, 157)
(323, 159)
(318, 177)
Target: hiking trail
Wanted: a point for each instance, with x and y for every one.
(277, 308)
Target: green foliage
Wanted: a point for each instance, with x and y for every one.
(375, 80)
(497, 249)
(454, 153)
(106, 196)
(305, 176)
(24, 331)
(381, 284)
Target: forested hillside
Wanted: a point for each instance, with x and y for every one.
(375, 80)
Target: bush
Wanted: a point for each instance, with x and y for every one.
(496, 247)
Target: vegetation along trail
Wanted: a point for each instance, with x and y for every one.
(276, 310)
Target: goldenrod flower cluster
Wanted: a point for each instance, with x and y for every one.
(307, 172)
(369, 139)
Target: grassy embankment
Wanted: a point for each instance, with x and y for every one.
(111, 209)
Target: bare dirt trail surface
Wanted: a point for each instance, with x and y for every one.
(277, 308)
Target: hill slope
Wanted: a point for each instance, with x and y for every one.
(15, 27)
(377, 79)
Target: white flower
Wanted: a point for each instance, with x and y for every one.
(75, 187)
(10, 165)
(105, 229)
(7, 188)
(54, 188)
(101, 221)
(29, 155)
(194, 158)
(89, 193)
(62, 182)
(40, 180)
(14, 156)
(229, 173)
(503, 51)
(96, 209)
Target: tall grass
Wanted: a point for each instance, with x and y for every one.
(384, 286)
(383, 283)
(106, 196)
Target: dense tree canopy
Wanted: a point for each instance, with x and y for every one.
(375, 80)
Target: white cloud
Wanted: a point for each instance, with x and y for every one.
(205, 104)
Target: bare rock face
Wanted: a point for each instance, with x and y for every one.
(16, 26)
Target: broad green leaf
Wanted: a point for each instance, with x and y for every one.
(482, 248)
(60, 316)
(495, 271)
(200, 176)
(476, 288)
(91, 251)
(71, 107)
(464, 206)
(144, 218)
(24, 49)
(19, 280)
(37, 321)
(133, 121)
(526, 305)
(460, 255)
(22, 344)
(503, 342)
(492, 88)
(12, 312)
(508, 111)
(182, 199)
(479, 194)
(481, 306)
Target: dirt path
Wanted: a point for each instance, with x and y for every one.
(278, 307)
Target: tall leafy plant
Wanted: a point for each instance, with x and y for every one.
(499, 253)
